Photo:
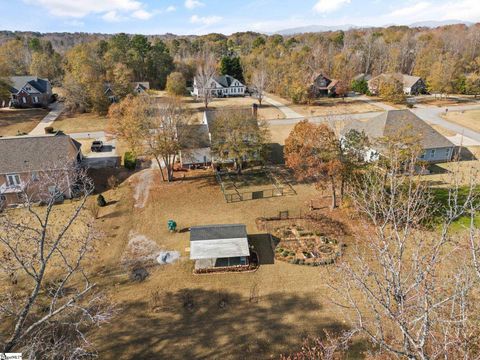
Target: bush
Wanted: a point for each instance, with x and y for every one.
(130, 161)
(49, 130)
(285, 253)
(101, 201)
(360, 86)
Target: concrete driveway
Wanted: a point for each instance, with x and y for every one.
(289, 113)
(56, 110)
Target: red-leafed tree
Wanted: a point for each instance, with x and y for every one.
(314, 153)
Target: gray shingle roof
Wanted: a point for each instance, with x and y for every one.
(395, 122)
(407, 80)
(218, 241)
(217, 232)
(193, 136)
(18, 82)
(213, 115)
(36, 153)
(224, 80)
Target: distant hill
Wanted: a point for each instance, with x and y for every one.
(434, 24)
(314, 28)
(322, 28)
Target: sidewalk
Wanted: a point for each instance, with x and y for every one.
(56, 109)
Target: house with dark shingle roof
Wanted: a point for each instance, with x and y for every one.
(214, 246)
(436, 147)
(323, 86)
(412, 85)
(29, 91)
(221, 86)
(26, 159)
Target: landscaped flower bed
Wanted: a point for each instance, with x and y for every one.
(303, 246)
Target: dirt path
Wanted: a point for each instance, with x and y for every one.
(144, 182)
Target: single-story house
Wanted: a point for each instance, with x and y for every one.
(195, 145)
(323, 86)
(219, 246)
(27, 159)
(141, 87)
(412, 85)
(436, 147)
(196, 140)
(28, 91)
(221, 86)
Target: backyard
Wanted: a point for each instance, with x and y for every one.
(15, 121)
(279, 304)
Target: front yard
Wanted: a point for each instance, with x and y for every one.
(469, 119)
(330, 106)
(76, 123)
(15, 121)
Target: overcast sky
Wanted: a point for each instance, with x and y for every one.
(225, 16)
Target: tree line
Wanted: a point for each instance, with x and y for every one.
(447, 58)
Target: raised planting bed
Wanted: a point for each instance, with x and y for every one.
(304, 244)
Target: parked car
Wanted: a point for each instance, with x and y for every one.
(97, 146)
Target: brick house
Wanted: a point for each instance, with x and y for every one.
(27, 159)
(29, 91)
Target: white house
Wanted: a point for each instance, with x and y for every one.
(221, 86)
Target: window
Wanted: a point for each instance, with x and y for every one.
(447, 152)
(24, 100)
(34, 176)
(432, 153)
(13, 180)
(35, 99)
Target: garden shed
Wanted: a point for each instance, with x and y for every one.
(213, 246)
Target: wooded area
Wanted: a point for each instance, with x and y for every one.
(447, 58)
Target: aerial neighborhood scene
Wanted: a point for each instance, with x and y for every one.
(196, 179)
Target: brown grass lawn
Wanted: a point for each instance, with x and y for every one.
(329, 106)
(293, 300)
(13, 121)
(450, 101)
(266, 112)
(443, 131)
(469, 119)
(69, 123)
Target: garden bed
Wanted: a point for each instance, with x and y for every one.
(312, 241)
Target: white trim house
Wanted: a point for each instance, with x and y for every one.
(221, 86)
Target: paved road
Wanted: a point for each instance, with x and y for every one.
(289, 113)
(56, 110)
(321, 119)
(432, 116)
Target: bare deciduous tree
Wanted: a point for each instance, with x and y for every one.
(51, 302)
(260, 81)
(206, 70)
(406, 294)
(152, 128)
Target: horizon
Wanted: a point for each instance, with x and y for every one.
(200, 17)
